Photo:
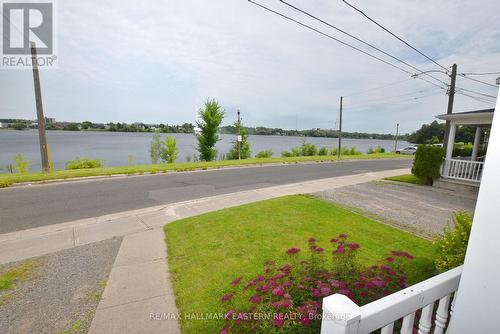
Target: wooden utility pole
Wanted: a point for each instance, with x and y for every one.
(451, 99)
(39, 111)
(397, 135)
(239, 136)
(340, 128)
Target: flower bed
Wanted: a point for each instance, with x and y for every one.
(287, 297)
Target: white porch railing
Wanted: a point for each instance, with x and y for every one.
(465, 170)
(342, 316)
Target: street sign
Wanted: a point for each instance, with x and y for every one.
(239, 139)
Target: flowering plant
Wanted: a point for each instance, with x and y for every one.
(288, 297)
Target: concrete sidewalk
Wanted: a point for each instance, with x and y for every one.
(138, 297)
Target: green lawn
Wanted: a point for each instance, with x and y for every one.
(407, 178)
(206, 252)
(8, 179)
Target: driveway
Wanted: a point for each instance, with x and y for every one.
(420, 209)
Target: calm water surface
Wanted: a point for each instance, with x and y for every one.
(114, 147)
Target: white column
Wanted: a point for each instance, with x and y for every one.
(477, 140)
(477, 300)
(451, 140)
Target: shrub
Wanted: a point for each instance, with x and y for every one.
(169, 150)
(155, 148)
(323, 151)
(427, 163)
(287, 298)
(286, 154)
(84, 163)
(5, 183)
(375, 150)
(264, 154)
(308, 149)
(451, 247)
(243, 146)
(21, 164)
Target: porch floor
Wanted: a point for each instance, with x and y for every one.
(421, 210)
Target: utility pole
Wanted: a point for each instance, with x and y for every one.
(340, 128)
(239, 136)
(39, 111)
(397, 135)
(451, 99)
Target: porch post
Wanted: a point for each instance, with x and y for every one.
(477, 300)
(477, 140)
(451, 140)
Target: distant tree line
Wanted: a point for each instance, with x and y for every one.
(434, 133)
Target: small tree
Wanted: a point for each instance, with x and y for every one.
(428, 160)
(452, 245)
(169, 150)
(244, 144)
(155, 148)
(211, 118)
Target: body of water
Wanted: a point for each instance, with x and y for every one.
(114, 147)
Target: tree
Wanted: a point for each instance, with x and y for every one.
(211, 118)
(71, 127)
(169, 150)
(86, 125)
(244, 144)
(19, 126)
(155, 148)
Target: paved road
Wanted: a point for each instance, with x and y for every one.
(40, 205)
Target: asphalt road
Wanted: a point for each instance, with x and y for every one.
(45, 204)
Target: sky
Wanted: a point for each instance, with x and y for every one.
(158, 61)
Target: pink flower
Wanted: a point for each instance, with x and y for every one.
(390, 259)
(343, 236)
(256, 299)
(344, 292)
(278, 291)
(279, 321)
(326, 291)
(316, 293)
(224, 330)
(333, 240)
(236, 281)
(364, 294)
(359, 285)
(378, 283)
(293, 250)
(286, 303)
(229, 314)
(336, 283)
(353, 246)
(311, 239)
(287, 296)
(340, 250)
(227, 297)
(319, 250)
(305, 320)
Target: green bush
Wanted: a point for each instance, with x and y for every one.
(5, 183)
(308, 149)
(323, 151)
(375, 150)
(169, 150)
(21, 164)
(84, 163)
(286, 154)
(264, 154)
(465, 150)
(451, 247)
(427, 163)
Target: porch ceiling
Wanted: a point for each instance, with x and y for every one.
(479, 117)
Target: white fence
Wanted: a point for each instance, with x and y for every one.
(465, 170)
(342, 316)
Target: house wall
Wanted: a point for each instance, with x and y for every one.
(477, 306)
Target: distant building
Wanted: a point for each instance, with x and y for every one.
(4, 125)
(49, 120)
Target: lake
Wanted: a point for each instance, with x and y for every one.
(114, 147)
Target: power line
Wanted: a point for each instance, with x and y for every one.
(477, 98)
(480, 73)
(399, 95)
(358, 39)
(478, 93)
(394, 35)
(463, 75)
(365, 105)
(339, 41)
